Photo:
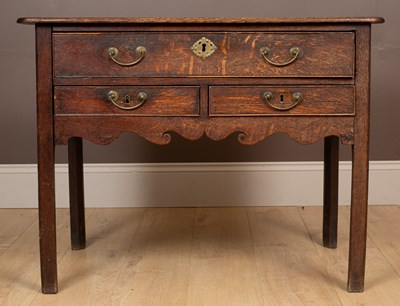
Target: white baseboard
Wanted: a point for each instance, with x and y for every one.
(199, 184)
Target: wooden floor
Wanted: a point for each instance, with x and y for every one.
(204, 256)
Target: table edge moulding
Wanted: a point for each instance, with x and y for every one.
(306, 77)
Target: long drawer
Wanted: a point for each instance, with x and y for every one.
(218, 54)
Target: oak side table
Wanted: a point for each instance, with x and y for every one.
(306, 77)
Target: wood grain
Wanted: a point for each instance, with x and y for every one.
(20, 272)
(88, 277)
(382, 282)
(360, 152)
(249, 101)
(161, 100)
(73, 53)
(76, 193)
(169, 55)
(105, 129)
(13, 224)
(150, 20)
(383, 224)
(196, 81)
(222, 266)
(331, 190)
(157, 269)
(46, 159)
(286, 259)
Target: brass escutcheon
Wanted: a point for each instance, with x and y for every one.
(113, 97)
(203, 47)
(297, 97)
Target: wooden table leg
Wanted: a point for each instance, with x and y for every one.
(331, 178)
(359, 190)
(358, 219)
(47, 217)
(76, 193)
(46, 175)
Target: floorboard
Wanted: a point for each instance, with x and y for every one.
(200, 256)
(292, 272)
(222, 266)
(156, 271)
(382, 283)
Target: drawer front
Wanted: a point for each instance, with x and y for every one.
(283, 100)
(127, 101)
(321, 54)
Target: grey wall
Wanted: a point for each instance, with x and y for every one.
(17, 79)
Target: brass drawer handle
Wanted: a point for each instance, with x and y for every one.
(126, 104)
(295, 52)
(140, 51)
(297, 98)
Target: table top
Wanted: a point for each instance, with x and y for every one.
(156, 20)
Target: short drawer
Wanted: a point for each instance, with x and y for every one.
(218, 54)
(283, 100)
(131, 100)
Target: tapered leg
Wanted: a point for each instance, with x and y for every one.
(76, 193)
(331, 178)
(45, 142)
(359, 190)
(47, 217)
(358, 219)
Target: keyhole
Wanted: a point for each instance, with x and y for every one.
(127, 99)
(281, 99)
(203, 47)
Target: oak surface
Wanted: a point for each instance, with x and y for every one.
(249, 100)
(161, 100)
(325, 54)
(202, 95)
(150, 20)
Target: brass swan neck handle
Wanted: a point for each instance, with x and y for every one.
(294, 52)
(140, 51)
